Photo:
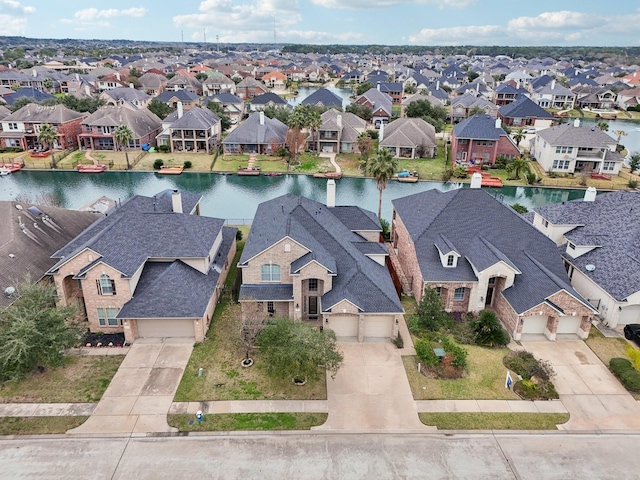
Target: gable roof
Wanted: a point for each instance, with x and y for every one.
(481, 127)
(55, 115)
(196, 118)
(332, 243)
(323, 97)
(409, 132)
(572, 136)
(484, 231)
(253, 131)
(605, 224)
(523, 107)
(140, 121)
(268, 97)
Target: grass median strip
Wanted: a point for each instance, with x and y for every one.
(247, 421)
(38, 425)
(494, 421)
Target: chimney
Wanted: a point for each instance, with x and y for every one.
(339, 120)
(590, 194)
(576, 122)
(553, 84)
(180, 110)
(118, 75)
(331, 193)
(261, 118)
(476, 180)
(381, 134)
(378, 86)
(176, 202)
(498, 123)
(438, 85)
(34, 72)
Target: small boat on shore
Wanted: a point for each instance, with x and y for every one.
(95, 168)
(14, 166)
(407, 177)
(170, 170)
(272, 174)
(4, 171)
(329, 175)
(249, 171)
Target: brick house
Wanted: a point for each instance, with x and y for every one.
(479, 254)
(152, 267)
(21, 128)
(321, 264)
(480, 139)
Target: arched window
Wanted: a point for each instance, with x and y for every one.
(270, 273)
(106, 286)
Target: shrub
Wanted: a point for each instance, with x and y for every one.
(532, 178)
(634, 355)
(157, 164)
(239, 235)
(430, 312)
(633, 183)
(187, 164)
(460, 172)
(447, 174)
(488, 330)
(526, 365)
(424, 351)
(530, 390)
(629, 376)
(163, 149)
(519, 208)
(458, 354)
(398, 341)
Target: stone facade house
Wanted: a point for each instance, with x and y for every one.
(196, 130)
(339, 132)
(152, 267)
(257, 134)
(570, 148)
(524, 112)
(478, 254)
(479, 140)
(321, 264)
(409, 138)
(600, 250)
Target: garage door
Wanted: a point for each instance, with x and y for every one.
(378, 327)
(629, 315)
(534, 324)
(157, 328)
(344, 325)
(568, 325)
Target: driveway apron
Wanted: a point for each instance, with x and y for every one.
(142, 390)
(371, 391)
(592, 395)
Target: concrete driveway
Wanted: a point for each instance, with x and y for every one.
(592, 395)
(371, 391)
(140, 394)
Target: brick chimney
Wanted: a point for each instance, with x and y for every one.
(176, 202)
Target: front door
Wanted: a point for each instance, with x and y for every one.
(490, 289)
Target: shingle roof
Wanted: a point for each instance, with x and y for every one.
(196, 118)
(34, 113)
(181, 95)
(360, 280)
(141, 122)
(482, 127)
(409, 132)
(484, 231)
(252, 131)
(127, 94)
(268, 97)
(569, 135)
(523, 107)
(267, 292)
(604, 223)
(323, 97)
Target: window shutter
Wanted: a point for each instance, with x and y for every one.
(98, 286)
(113, 287)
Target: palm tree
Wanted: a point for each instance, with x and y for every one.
(47, 135)
(518, 165)
(518, 136)
(619, 134)
(297, 122)
(382, 167)
(314, 122)
(604, 126)
(123, 135)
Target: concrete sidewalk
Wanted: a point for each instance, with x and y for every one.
(490, 406)
(46, 409)
(251, 406)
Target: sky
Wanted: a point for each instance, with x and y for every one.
(382, 22)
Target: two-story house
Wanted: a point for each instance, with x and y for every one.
(600, 250)
(22, 127)
(479, 140)
(571, 148)
(321, 264)
(196, 130)
(524, 112)
(257, 134)
(152, 267)
(465, 104)
(338, 132)
(98, 128)
(554, 95)
(380, 103)
(479, 253)
(217, 83)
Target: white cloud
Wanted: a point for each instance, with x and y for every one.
(239, 22)
(94, 18)
(471, 35)
(16, 6)
(12, 25)
(370, 4)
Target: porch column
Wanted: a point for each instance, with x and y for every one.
(396, 321)
(361, 328)
(552, 328)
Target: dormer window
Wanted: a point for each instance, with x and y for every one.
(106, 286)
(571, 246)
(450, 260)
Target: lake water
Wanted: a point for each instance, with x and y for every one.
(632, 127)
(237, 198)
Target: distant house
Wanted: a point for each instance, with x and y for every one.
(195, 130)
(36, 95)
(217, 83)
(152, 268)
(339, 132)
(249, 88)
(321, 264)
(600, 250)
(120, 96)
(257, 134)
(233, 106)
(379, 103)
(98, 128)
(627, 98)
(554, 95)
(188, 99)
(393, 89)
(31, 234)
(462, 106)
(409, 138)
(524, 112)
(597, 97)
(109, 82)
(504, 94)
(22, 127)
(267, 99)
(478, 253)
(152, 83)
(275, 80)
(184, 82)
(479, 140)
(570, 148)
(323, 98)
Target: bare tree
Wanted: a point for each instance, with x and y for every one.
(250, 328)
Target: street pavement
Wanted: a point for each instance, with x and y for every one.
(495, 456)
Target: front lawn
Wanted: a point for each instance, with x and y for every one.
(231, 163)
(247, 421)
(38, 425)
(82, 378)
(494, 421)
(484, 379)
(606, 348)
(220, 357)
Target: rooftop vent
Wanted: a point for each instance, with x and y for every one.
(18, 207)
(9, 291)
(590, 267)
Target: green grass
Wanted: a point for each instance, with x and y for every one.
(494, 421)
(38, 425)
(247, 421)
(80, 379)
(220, 356)
(484, 379)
